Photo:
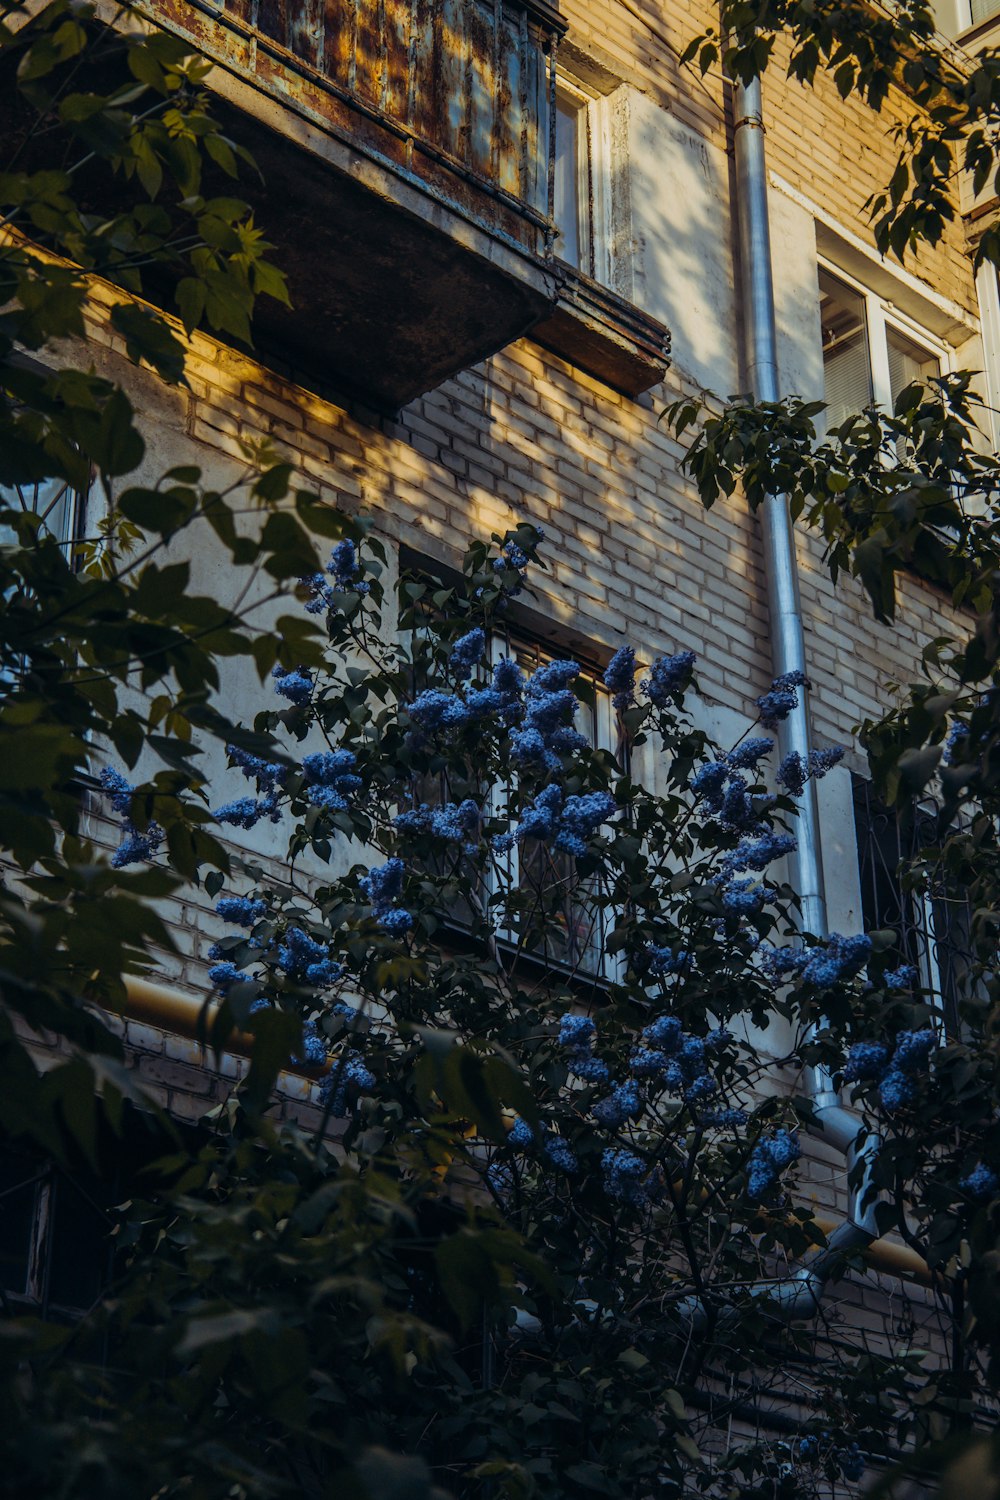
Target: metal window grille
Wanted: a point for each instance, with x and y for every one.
(933, 925)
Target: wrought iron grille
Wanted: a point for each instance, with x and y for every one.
(933, 926)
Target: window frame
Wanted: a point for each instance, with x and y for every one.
(881, 315)
(593, 179)
(505, 872)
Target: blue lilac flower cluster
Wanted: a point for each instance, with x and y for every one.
(268, 777)
(456, 822)
(546, 732)
(677, 1059)
(980, 1183)
(135, 845)
(568, 823)
(348, 1077)
(746, 898)
(661, 960)
(382, 886)
(895, 1072)
(293, 683)
(577, 1035)
(331, 778)
(668, 678)
(758, 852)
(344, 568)
(838, 959)
(795, 770)
(467, 652)
(776, 704)
(627, 1177)
(619, 676)
(555, 1148)
(515, 560)
(305, 960)
(771, 1155)
(242, 911)
(435, 710)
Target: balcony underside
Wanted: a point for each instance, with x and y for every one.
(392, 292)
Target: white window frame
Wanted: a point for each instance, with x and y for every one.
(882, 314)
(988, 290)
(506, 872)
(593, 178)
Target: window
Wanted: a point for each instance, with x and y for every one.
(572, 179)
(871, 352)
(582, 181)
(53, 500)
(934, 927)
(563, 921)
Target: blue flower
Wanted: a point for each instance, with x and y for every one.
(508, 679)
(298, 951)
(347, 1078)
(793, 773)
(745, 757)
(383, 883)
(841, 958)
(137, 846)
(866, 1060)
(313, 1046)
(625, 1175)
(782, 698)
(331, 778)
(521, 1135)
(666, 960)
(665, 1032)
(560, 1154)
(246, 812)
(240, 910)
(809, 1449)
(619, 676)
(457, 822)
(724, 1115)
(980, 1183)
(623, 1103)
(901, 978)
(770, 1156)
(778, 963)
(467, 651)
(117, 790)
(396, 921)
(580, 819)
(590, 1069)
(648, 1062)
(896, 1090)
(758, 853)
(576, 1031)
(913, 1048)
(266, 773)
(668, 678)
(433, 709)
(345, 568)
(295, 684)
(745, 898)
(225, 975)
(708, 783)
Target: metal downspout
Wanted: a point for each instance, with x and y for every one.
(798, 1296)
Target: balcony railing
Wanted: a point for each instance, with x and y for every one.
(457, 94)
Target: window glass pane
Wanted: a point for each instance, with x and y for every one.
(18, 1191)
(981, 9)
(52, 499)
(846, 364)
(569, 125)
(908, 361)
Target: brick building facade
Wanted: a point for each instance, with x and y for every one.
(544, 382)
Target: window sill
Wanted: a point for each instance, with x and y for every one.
(600, 332)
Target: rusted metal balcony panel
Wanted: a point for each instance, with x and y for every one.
(428, 83)
(407, 151)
